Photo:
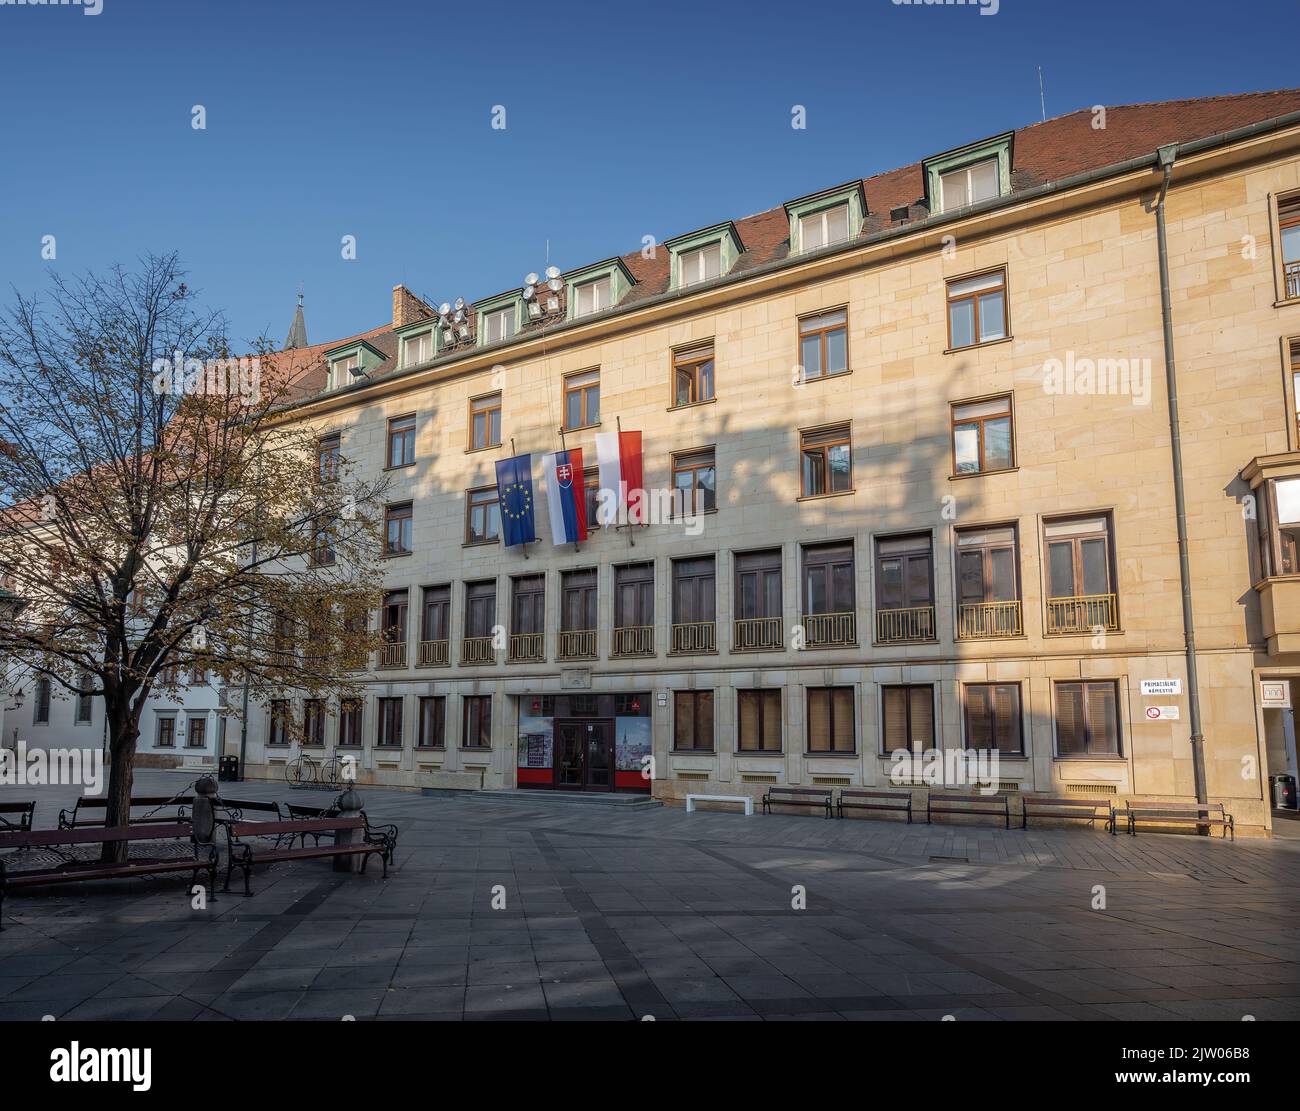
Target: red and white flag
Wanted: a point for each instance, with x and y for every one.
(622, 487)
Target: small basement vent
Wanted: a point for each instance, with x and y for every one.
(1090, 788)
(833, 780)
(758, 779)
(692, 775)
(1008, 786)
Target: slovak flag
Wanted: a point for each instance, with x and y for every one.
(618, 454)
(566, 499)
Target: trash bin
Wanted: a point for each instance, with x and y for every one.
(1283, 791)
(228, 769)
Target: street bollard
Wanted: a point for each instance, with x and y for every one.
(349, 806)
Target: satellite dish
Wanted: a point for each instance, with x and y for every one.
(531, 279)
(445, 308)
(460, 303)
(528, 292)
(555, 284)
(460, 315)
(552, 271)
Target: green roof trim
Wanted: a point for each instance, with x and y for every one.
(851, 193)
(615, 269)
(725, 233)
(998, 146)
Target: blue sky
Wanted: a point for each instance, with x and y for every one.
(372, 118)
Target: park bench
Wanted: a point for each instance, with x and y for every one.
(17, 815)
(745, 800)
(1087, 810)
(90, 812)
(299, 812)
(995, 805)
(798, 796)
(244, 854)
(1196, 814)
(79, 871)
(854, 799)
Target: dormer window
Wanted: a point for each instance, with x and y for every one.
(596, 288)
(968, 185)
(969, 175)
(821, 229)
(352, 362)
(826, 218)
(417, 349)
(499, 325)
(341, 371)
(592, 297)
(704, 255)
(701, 264)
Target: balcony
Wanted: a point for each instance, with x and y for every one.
(435, 653)
(577, 644)
(694, 637)
(1087, 613)
(989, 620)
(757, 634)
(904, 626)
(830, 630)
(392, 655)
(1279, 607)
(477, 650)
(633, 640)
(1292, 272)
(526, 648)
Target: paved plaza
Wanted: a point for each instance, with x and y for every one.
(616, 913)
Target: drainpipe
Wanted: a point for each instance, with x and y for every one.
(1167, 155)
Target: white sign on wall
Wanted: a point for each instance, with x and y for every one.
(1162, 713)
(1162, 686)
(1275, 694)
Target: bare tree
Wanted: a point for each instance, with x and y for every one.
(161, 513)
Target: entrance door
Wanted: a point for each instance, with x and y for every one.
(584, 755)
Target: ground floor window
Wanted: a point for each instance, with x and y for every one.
(830, 719)
(196, 735)
(278, 731)
(908, 718)
(390, 723)
(993, 717)
(1087, 719)
(759, 721)
(477, 732)
(313, 722)
(433, 722)
(166, 735)
(693, 721)
(350, 723)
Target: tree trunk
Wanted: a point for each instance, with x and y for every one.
(123, 734)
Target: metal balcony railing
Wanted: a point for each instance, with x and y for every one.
(756, 634)
(898, 626)
(392, 655)
(526, 647)
(694, 637)
(634, 640)
(1086, 613)
(986, 620)
(829, 630)
(477, 650)
(435, 653)
(577, 644)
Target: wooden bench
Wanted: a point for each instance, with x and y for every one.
(88, 812)
(995, 805)
(854, 799)
(747, 800)
(798, 796)
(1046, 806)
(77, 871)
(241, 853)
(25, 811)
(1178, 813)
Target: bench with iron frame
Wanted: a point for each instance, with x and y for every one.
(1198, 814)
(994, 805)
(25, 811)
(1057, 806)
(853, 798)
(819, 797)
(299, 812)
(241, 853)
(74, 819)
(79, 871)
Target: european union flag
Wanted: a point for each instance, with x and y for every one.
(515, 491)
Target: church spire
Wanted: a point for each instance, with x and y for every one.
(297, 336)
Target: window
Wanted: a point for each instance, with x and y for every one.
(350, 723)
(397, 530)
(85, 700)
(759, 721)
(196, 732)
(694, 605)
(977, 309)
(1087, 719)
(499, 324)
(970, 184)
(482, 516)
(341, 370)
(166, 734)
(433, 722)
(485, 422)
(992, 712)
(582, 399)
(908, 718)
(828, 599)
(592, 296)
(323, 552)
(1288, 218)
(278, 731)
(417, 349)
(1080, 596)
(401, 441)
(988, 583)
(591, 493)
(478, 721)
(480, 609)
(1279, 527)
(41, 703)
(830, 720)
(527, 617)
(634, 609)
(826, 461)
(904, 588)
(758, 585)
(390, 723)
(578, 613)
(693, 721)
(821, 229)
(700, 265)
(824, 344)
(694, 482)
(1295, 379)
(313, 722)
(435, 621)
(392, 617)
(693, 375)
(981, 436)
(327, 456)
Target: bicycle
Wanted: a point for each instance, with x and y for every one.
(307, 772)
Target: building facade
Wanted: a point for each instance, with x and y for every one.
(926, 419)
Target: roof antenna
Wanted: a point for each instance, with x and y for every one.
(1042, 100)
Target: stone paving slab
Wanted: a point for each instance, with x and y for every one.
(615, 916)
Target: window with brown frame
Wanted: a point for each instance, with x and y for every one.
(527, 617)
(485, 422)
(1288, 218)
(166, 735)
(830, 720)
(982, 439)
(278, 722)
(392, 617)
(1087, 719)
(433, 722)
(829, 606)
(350, 710)
(477, 732)
(977, 309)
(988, 582)
(634, 609)
(693, 375)
(323, 552)
(401, 441)
(824, 344)
(41, 702)
(907, 718)
(582, 399)
(695, 481)
(693, 721)
(992, 717)
(759, 721)
(578, 613)
(390, 723)
(758, 585)
(196, 732)
(591, 493)
(313, 722)
(435, 620)
(694, 592)
(826, 461)
(482, 516)
(327, 457)
(480, 608)
(85, 699)
(905, 588)
(1080, 567)
(398, 530)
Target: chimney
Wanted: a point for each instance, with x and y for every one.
(407, 307)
